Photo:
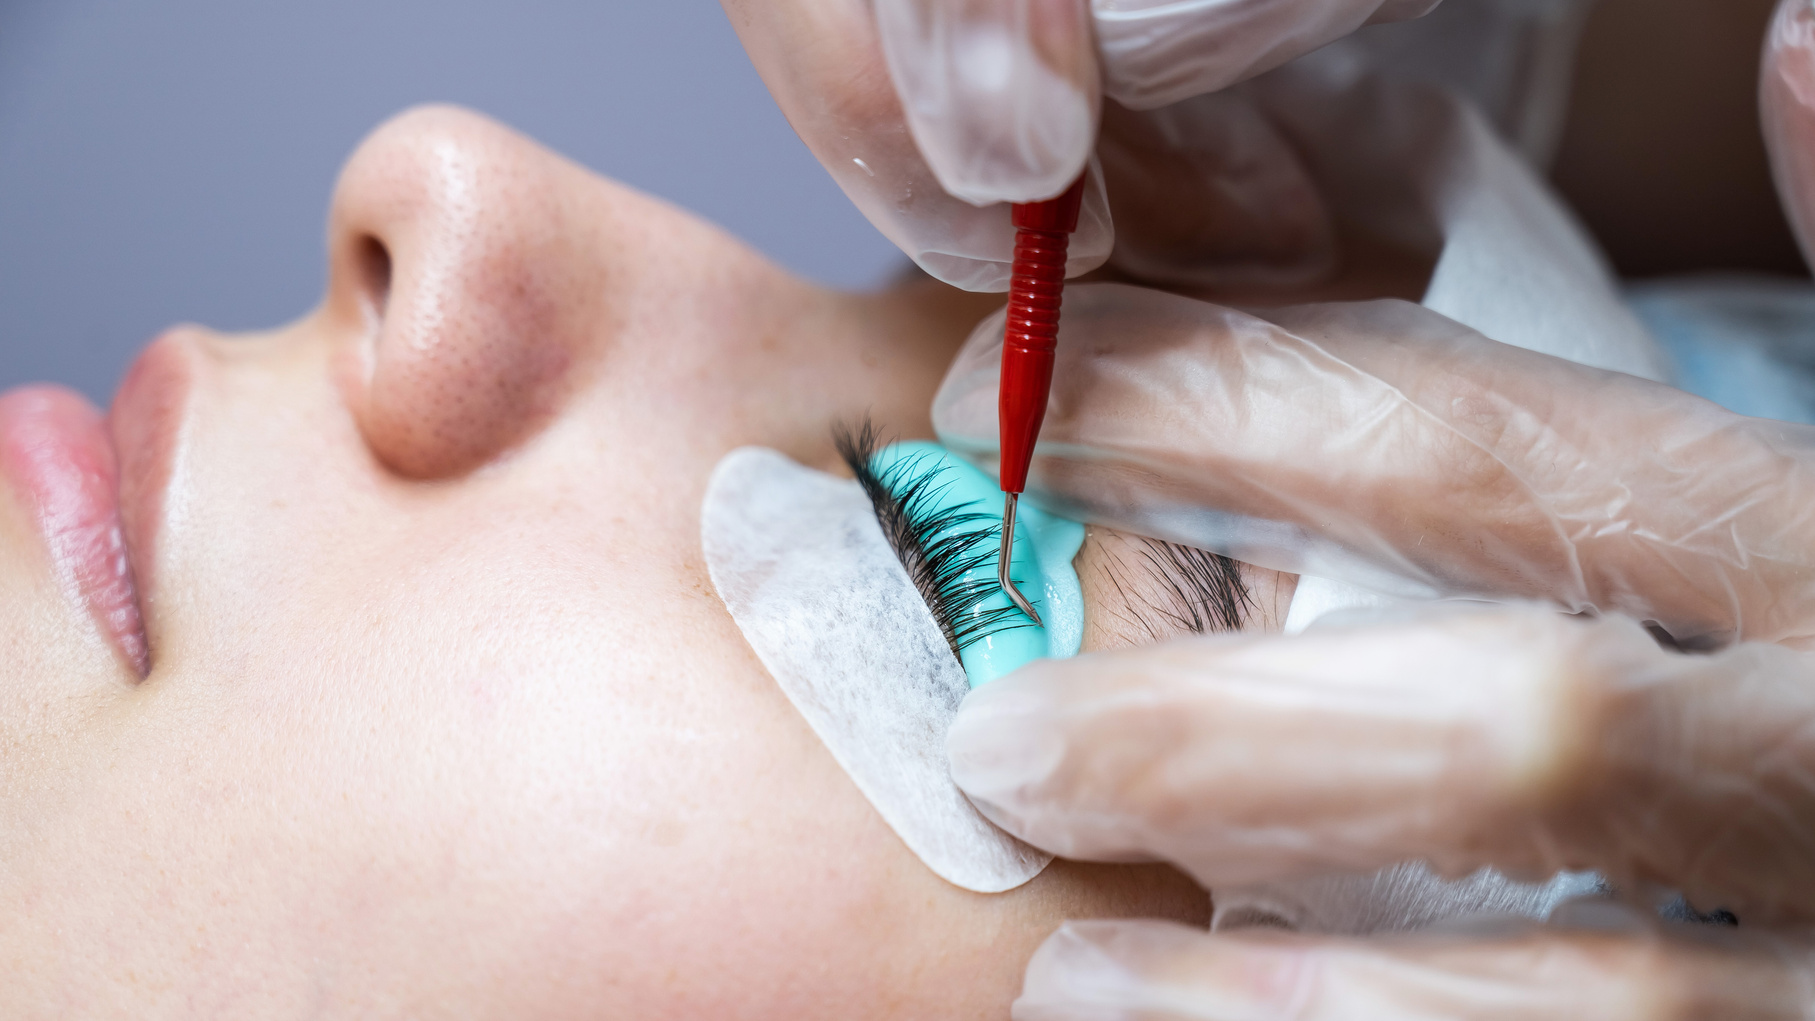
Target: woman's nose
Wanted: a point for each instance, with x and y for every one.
(456, 256)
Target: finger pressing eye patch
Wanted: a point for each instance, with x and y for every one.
(803, 565)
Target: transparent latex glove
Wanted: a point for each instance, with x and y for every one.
(824, 62)
(932, 114)
(1157, 52)
(1384, 444)
(1459, 734)
(1512, 736)
(1787, 102)
(1215, 192)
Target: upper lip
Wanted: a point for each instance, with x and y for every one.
(96, 490)
(145, 423)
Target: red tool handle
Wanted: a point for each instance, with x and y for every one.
(1042, 237)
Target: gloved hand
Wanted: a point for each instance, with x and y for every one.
(931, 113)
(1787, 100)
(1469, 736)
(1384, 444)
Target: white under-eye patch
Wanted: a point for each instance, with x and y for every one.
(801, 562)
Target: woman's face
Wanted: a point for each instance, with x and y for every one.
(443, 716)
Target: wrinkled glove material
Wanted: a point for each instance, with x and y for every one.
(1460, 736)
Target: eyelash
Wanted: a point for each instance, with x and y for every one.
(1206, 591)
(906, 501)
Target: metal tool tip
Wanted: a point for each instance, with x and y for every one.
(1009, 504)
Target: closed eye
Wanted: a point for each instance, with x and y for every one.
(940, 546)
(1156, 589)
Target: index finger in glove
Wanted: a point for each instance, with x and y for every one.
(826, 63)
(1002, 95)
(1421, 450)
(1515, 738)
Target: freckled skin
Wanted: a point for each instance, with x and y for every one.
(444, 718)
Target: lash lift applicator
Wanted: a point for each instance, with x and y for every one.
(1036, 290)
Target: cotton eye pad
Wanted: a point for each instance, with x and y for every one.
(802, 564)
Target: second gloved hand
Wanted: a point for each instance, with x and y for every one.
(1519, 739)
(1514, 737)
(1002, 95)
(1468, 736)
(931, 114)
(1384, 444)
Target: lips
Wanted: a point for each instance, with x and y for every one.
(56, 451)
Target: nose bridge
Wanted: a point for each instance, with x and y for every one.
(453, 259)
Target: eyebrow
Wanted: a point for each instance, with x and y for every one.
(1199, 592)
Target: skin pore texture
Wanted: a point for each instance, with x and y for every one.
(442, 717)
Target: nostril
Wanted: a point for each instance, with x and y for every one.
(464, 286)
(374, 261)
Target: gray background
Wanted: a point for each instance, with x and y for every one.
(171, 160)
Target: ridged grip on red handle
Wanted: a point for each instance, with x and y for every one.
(1035, 292)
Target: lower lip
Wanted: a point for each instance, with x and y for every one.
(54, 449)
